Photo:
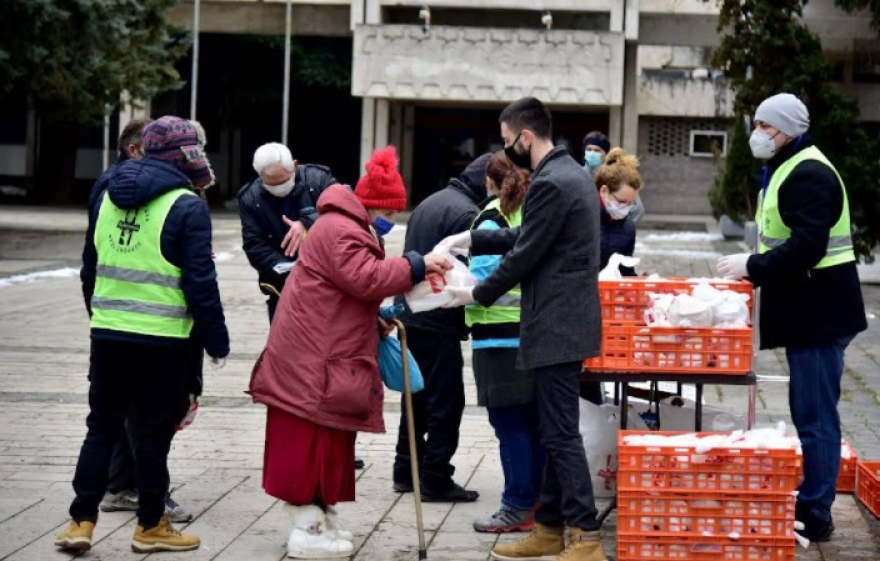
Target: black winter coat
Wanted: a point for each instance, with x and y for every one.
(802, 306)
(554, 255)
(618, 236)
(451, 210)
(185, 242)
(262, 229)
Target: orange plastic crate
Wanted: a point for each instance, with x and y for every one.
(846, 478)
(666, 468)
(672, 548)
(692, 350)
(869, 486)
(625, 301)
(751, 515)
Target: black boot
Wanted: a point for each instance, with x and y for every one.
(815, 529)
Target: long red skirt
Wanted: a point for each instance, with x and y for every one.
(305, 462)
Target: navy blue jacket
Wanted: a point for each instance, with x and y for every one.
(262, 228)
(185, 243)
(618, 236)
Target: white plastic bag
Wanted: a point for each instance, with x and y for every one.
(598, 427)
(612, 270)
(731, 310)
(687, 311)
(429, 294)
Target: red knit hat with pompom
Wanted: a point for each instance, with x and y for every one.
(382, 187)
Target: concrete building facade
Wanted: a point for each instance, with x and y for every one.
(432, 75)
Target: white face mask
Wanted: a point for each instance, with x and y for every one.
(762, 145)
(282, 189)
(616, 210)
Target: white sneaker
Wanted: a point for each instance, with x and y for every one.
(309, 538)
(333, 529)
(125, 501)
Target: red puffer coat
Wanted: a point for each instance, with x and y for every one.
(320, 362)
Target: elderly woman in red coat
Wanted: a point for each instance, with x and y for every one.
(318, 374)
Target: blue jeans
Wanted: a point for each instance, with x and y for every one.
(522, 456)
(813, 393)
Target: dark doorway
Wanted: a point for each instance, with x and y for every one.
(447, 139)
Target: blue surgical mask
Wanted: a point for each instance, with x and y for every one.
(382, 225)
(592, 159)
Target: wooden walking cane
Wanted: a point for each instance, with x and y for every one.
(411, 433)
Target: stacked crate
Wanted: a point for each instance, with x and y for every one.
(628, 345)
(728, 504)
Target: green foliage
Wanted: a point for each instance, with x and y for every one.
(74, 58)
(767, 50)
(736, 185)
(315, 62)
(858, 5)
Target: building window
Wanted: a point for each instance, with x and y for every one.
(704, 144)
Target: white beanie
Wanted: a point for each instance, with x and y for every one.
(786, 113)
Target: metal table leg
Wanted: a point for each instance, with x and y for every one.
(698, 409)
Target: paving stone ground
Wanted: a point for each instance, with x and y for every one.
(216, 463)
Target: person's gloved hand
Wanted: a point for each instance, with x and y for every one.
(217, 363)
(456, 244)
(734, 266)
(462, 296)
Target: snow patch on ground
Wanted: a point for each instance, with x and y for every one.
(66, 272)
(684, 237)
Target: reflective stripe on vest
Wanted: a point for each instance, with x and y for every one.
(772, 230)
(136, 289)
(507, 308)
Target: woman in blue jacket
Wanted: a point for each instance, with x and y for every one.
(618, 181)
(506, 392)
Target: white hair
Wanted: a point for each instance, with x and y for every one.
(272, 153)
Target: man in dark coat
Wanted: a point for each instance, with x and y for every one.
(276, 209)
(554, 256)
(435, 340)
(811, 298)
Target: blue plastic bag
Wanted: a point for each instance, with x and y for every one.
(391, 366)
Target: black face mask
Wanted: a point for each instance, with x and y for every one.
(519, 160)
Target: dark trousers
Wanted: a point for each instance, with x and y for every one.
(437, 410)
(566, 491)
(121, 477)
(143, 384)
(272, 304)
(522, 455)
(813, 393)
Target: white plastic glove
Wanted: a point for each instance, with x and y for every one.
(734, 266)
(461, 296)
(217, 363)
(456, 244)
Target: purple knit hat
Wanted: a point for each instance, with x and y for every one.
(176, 141)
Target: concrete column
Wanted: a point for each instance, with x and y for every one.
(396, 126)
(631, 20)
(617, 17)
(358, 13)
(373, 12)
(383, 121)
(368, 129)
(630, 128)
(407, 147)
(615, 125)
(30, 150)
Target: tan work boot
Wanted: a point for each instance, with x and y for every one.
(542, 544)
(77, 536)
(162, 537)
(583, 546)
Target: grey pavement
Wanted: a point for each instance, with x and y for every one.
(216, 463)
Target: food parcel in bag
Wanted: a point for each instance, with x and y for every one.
(598, 425)
(612, 270)
(429, 294)
(706, 306)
